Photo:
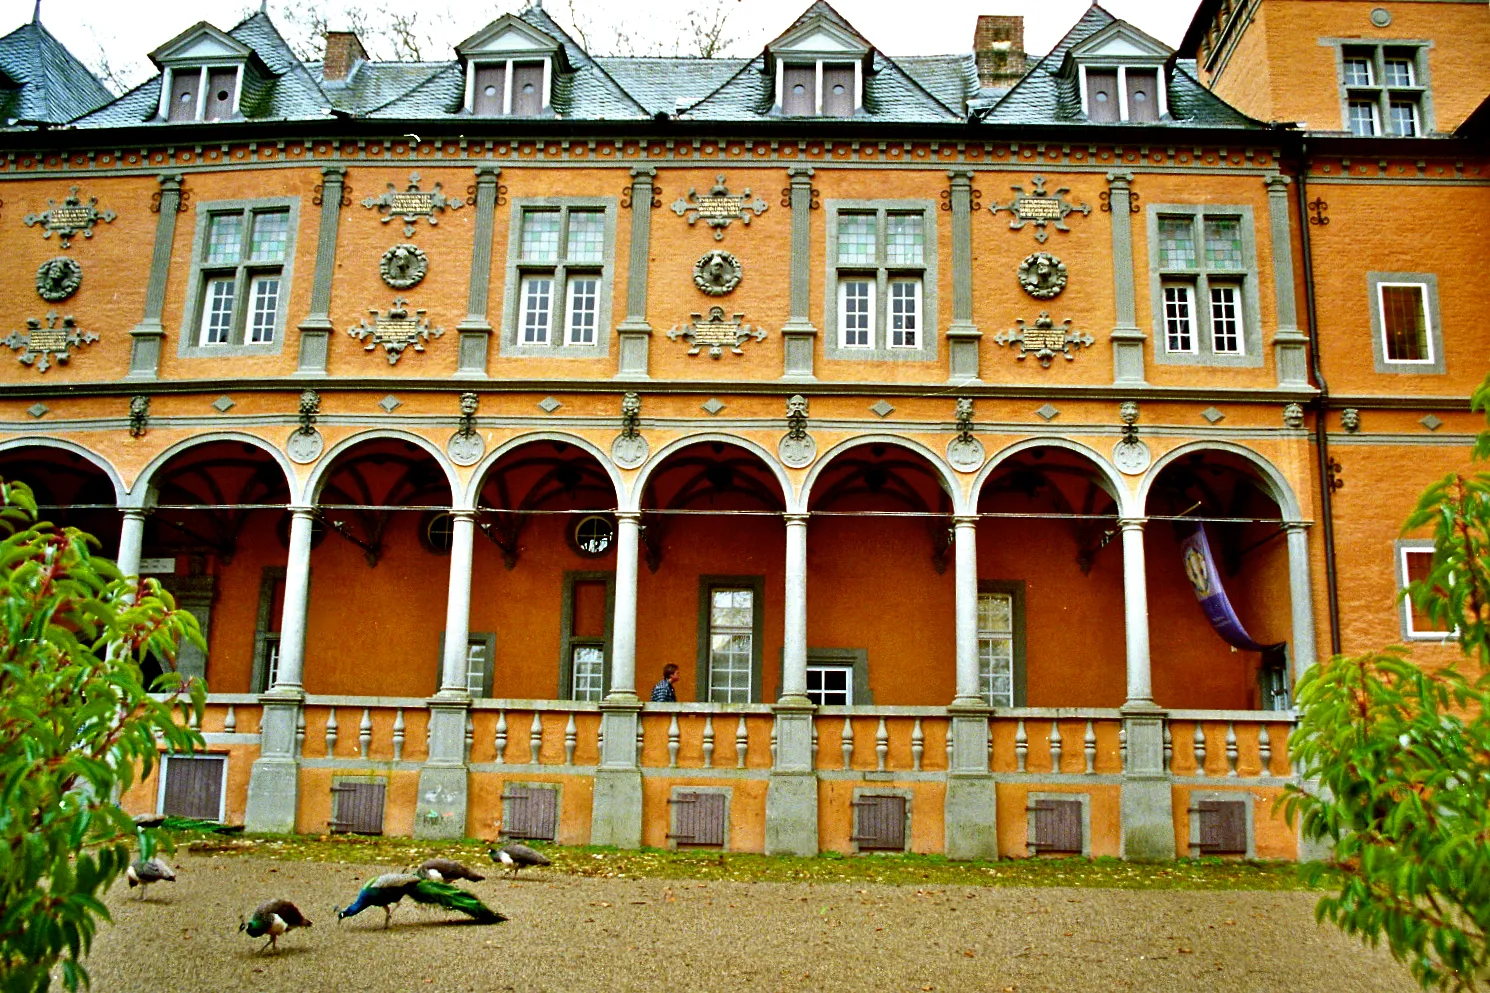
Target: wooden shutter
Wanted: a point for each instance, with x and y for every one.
(494, 78)
(1055, 826)
(1102, 95)
(193, 786)
(1143, 94)
(530, 812)
(183, 105)
(527, 88)
(1223, 827)
(357, 808)
(220, 86)
(699, 818)
(799, 90)
(838, 91)
(881, 822)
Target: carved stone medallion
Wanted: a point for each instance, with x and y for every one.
(1042, 275)
(965, 452)
(305, 445)
(466, 448)
(717, 272)
(629, 451)
(59, 278)
(403, 266)
(1131, 456)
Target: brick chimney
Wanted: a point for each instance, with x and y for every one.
(998, 46)
(343, 49)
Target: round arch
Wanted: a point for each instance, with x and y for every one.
(317, 479)
(478, 474)
(631, 500)
(143, 484)
(1107, 474)
(1273, 480)
(948, 476)
(121, 492)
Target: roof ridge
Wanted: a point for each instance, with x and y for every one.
(296, 62)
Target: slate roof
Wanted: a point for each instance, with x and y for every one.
(1045, 96)
(53, 86)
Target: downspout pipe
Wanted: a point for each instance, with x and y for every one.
(1322, 405)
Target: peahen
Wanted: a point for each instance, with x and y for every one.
(445, 870)
(143, 872)
(515, 857)
(273, 918)
(387, 890)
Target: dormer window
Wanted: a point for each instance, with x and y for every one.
(820, 88)
(509, 88)
(1119, 71)
(206, 93)
(202, 75)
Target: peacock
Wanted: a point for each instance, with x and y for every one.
(273, 918)
(170, 822)
(388, 889)
(445, 870)
(515, 857)
(143, 872)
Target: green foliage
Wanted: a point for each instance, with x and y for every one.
(1398, 762)
(77, 728)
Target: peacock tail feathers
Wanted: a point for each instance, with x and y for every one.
(454, 898)
(196, 824)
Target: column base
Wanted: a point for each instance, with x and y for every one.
(616, 808)
(1147, 804)
(273, 796)
(971, 818)
(440, 812)
(791, 813)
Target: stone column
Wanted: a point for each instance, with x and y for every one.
(1147, 805)
(791, 795)
(146, 336)
(634, 333)
(798, 334)
(475, 330)
(1136, 612)
(616, 812)
(440, 811)
(274, 782)
(1127, 337)
(971, 813)
(316, 329)
(1290, 345)
(1301, 595)
(458, 605)
(963, 335)
(131, 542)
(966, 550)
(794, 650)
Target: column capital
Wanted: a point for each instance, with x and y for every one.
(333, 173)
(1119, 180)
(309, 511)
(799, 173)
(965, 520)
(644, 173)
(463, 515)
(795, 520)
(961, 178)
(169, 180)
(1277, 183)
(1132, 523)
(1296, 527)
(487, 172)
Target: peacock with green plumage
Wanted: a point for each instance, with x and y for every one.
(387, 890)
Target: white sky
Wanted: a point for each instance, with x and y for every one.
(128, 29)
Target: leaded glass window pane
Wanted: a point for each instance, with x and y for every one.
(996, 648)
(540, 240)
(1176, 243)
(271, 235)
(1404, 321)
(224, 239)
(264, 313)
(588, 668)
(586, 236)
(731, 644)
(856, 239)
(905, 240)
(217, 311)
(1223, 243)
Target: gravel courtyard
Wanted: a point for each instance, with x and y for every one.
(571, 934)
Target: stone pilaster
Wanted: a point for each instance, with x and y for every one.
(963, 336)
(634, 333)
(274, 780)
(971, 813)
(616, 809)
(799, 335)
(315, 330)
(146, 337)
(1147, 801)
(440, 810)
(475, 330)
(791, 795)
(1290, 345)
(1127, 336)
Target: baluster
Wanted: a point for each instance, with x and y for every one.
(571, 738)
(398, 735)
(230, 722)
(814, 744)
(1055, 746)
(708, 741)
(742, 743)
(470, 734)
(1089, 746)
(535, 739)
(1021, 746)
(773, 744)
(674, 742)
(918, 745)
(501, 737)
(640, 739)
(988, 746)
(1122, 749)
(1231, 748)
(364, 733)
(848, 742)
(331, 733)
(949, 745)
(194, 719)
(1264, 751)
(881, 745)
(1199, 749)
(299, 731)
(1168, 749)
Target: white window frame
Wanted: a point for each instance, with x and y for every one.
(1414, 108)
(1356, 104)
(1427, 312)
(1238, 322)
(1404, 548)
(1188, 290)
(222, 788)
(733, 631)
(821, 668)
(572, 311)
(1015, 593)
(866, 280)
(917, 328)
(526, 311)
(1122, 86)
(574, 672)
(559, 340)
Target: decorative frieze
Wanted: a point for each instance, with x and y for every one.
(1044, 339)
(48, 341)
(395, 330)
(719, 207)
(69, 217)
(59, 278)
(412, 203)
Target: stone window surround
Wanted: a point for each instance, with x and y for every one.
(512, 292)
(1429, 282)
(860, 792)
(222, 789)
(1085, 799)
(672, 814)
(1016, 588)
(340, 779)
(705, 585)
(856, 659)
(1400, 548)
(1423, 89)
(879, 350)
(479, 61)
(191, 319)
(567, 638)
(1252, 344)
(489, 640)
(1249, 804)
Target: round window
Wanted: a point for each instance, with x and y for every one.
(222, 95)
(527, 87)
(594, 535)
(187, 97)
(799, 88)
(838, 88)
(1139, 96)
(436, 530)
(490, 91)
(1101, 97)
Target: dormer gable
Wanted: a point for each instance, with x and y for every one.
(203, 71)
(1121, 74)
(510, 67)
(819, 66)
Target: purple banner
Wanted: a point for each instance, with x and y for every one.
(1200, 569)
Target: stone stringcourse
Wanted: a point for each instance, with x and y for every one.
(718, 207)
(395, 330)
(412, 203)
(1045, 339)
(716, 333)
(39, 345)
(69, 217)
(59, 278)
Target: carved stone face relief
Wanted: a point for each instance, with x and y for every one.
(59, 278)
(717, 273)
(403, 266)
(1042, 275)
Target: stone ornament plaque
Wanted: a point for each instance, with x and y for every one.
(48, 342)
(629, 452)
(412, 203)
(797, 448)
(716, 333)
(1040, 208)
(1131, 456)
(59, 278)
(717, 273)
(1044, 339)
(1042, 275)
(67, 218)
(965, 452)
(395, 330)
(718, 207)
(403, 266)
(304, 445)
(465, 449)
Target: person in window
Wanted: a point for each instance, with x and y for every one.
(664, 691)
